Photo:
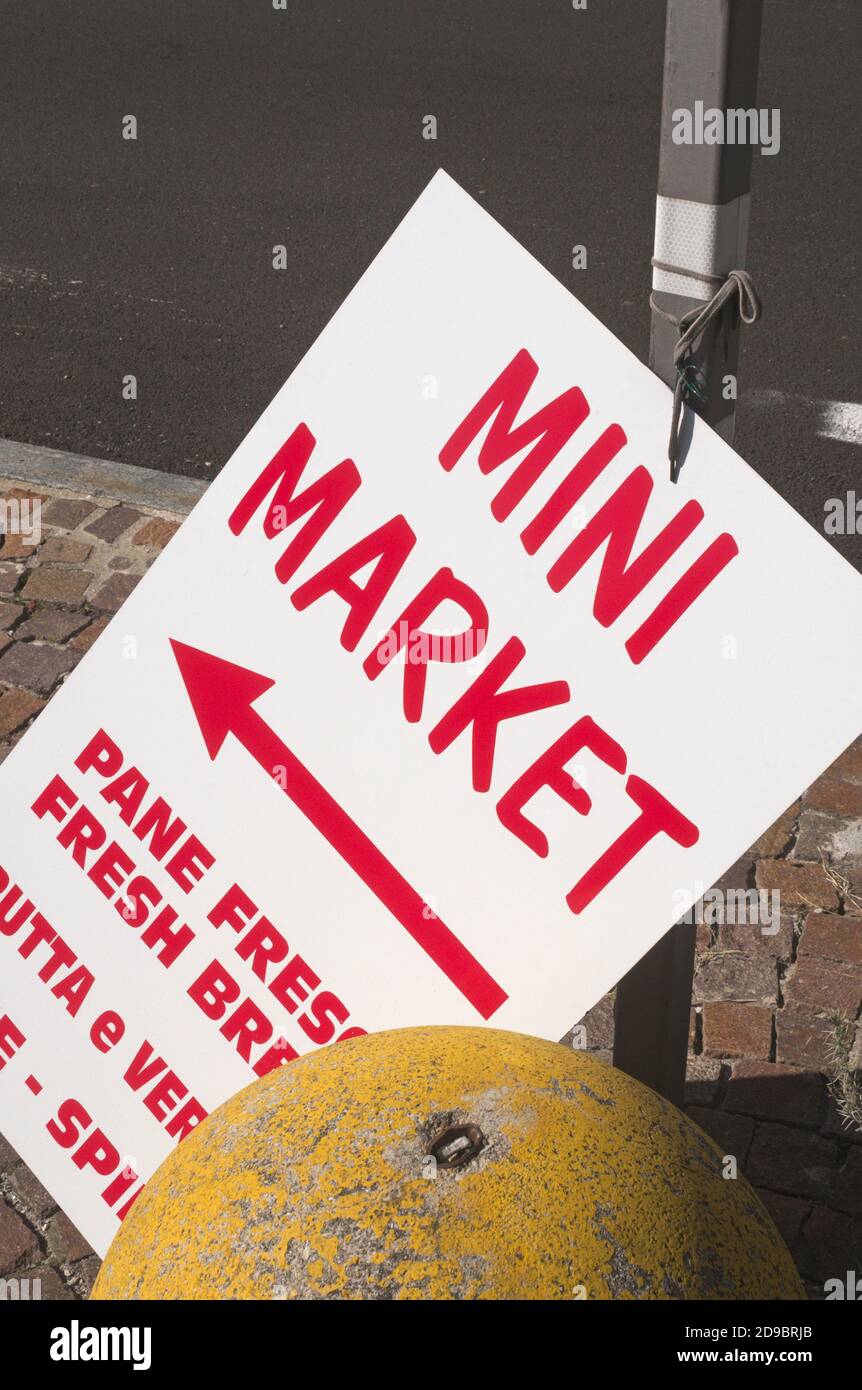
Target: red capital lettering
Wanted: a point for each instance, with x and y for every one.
(235, 907)
(325, 498)
(618, 523)
(548, 430)
(426, 646)
(11, 1039)
(97, 1152)
(57, 800)
(657, 815)
(389, 545)
(484, 706)
(82, 833)
(550, 771)
(680, 598)
(174, 940)
(102, 754)
(213, 990)
(573, 487)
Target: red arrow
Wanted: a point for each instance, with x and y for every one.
(222, 696)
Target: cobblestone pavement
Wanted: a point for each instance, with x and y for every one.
(776, 1046)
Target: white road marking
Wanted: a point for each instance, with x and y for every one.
(841, 420)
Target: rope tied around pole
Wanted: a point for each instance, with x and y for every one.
(737, 286)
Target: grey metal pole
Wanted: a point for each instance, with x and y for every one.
(712, 48)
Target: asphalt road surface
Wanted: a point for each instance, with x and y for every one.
(303, 127)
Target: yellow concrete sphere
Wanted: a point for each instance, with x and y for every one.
(555, 1176)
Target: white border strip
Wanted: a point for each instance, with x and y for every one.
(707, 237)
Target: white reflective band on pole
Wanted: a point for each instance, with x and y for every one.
(706, 237)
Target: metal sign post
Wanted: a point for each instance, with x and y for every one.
(710, 66)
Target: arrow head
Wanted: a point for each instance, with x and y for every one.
(220, 692)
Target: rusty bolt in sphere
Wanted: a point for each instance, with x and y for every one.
(456, 1145)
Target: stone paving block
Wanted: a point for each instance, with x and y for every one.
(115, 591)
(822, 985)
(836, 838)
(853, 892)
(800, 885)
(732, 1133)
(17, 546)
(788, 1213)
(65, 1241)
(831, 937)
(35, 1198)
(16, 707)
(9, 614)
(835, 797)
(35, 666)
(9, 577)
(803, 1039)
(773, 1091)
(84, 640)
(50, 625)
(761, 937)
(830, 1245)
(702, 1080)
(65, 550)
(111, 525)
(738, 975)
(57, 584)
(793, 1161)
(16, 1238)
(157, 532)
(67, 512)
(737, 1030)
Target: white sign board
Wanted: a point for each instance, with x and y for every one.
(441, 708)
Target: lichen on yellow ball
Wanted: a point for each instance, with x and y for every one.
(447, 1163)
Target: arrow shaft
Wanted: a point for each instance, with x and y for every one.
(370, 864)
